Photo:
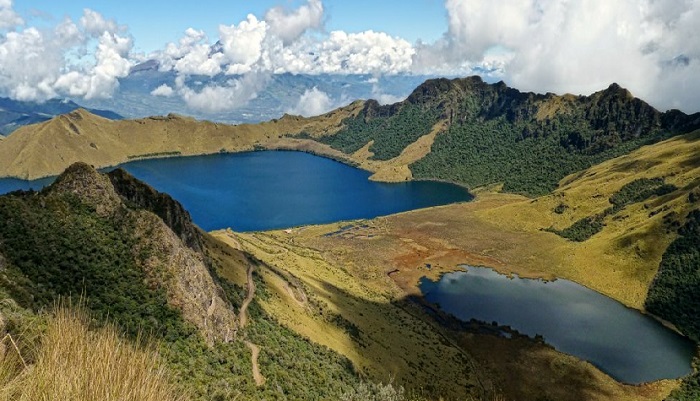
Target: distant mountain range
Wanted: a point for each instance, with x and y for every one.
(14, 113)
(277, 93)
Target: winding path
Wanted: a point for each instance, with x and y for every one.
(243, 314)
(243, 321)
(257, 376)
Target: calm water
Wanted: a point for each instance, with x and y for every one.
(12, 184)
(277, 189)
(629, 346)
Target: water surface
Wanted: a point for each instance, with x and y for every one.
(628, 345)
(13, 184)
(277, 189)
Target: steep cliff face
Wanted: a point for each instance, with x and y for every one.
(142, 196)
(86, 235)
(611, 109)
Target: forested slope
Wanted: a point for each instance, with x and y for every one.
(497, 134)
(93, 236)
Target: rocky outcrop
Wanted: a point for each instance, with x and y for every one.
(140, 195)
(91, 187)
(185, 276)
(167, 244)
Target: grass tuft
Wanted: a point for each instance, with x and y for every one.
(75, 363)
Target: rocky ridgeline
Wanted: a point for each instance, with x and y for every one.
(168, 247)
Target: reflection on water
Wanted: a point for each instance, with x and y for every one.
(626, 344)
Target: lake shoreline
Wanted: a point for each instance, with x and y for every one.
(482, 294)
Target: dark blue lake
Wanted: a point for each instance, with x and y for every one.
(276, 189)
(628, 345)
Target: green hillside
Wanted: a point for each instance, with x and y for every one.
(675, 293)
(70, 242)
(498, 134)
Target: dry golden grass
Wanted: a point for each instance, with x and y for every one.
(75, 363)
(307, 292)
(347, 272)
(48, 148)
(621, 260)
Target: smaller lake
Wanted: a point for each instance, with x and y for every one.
(266, 190)
(628, 345)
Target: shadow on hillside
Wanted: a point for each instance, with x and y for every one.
(519, 368)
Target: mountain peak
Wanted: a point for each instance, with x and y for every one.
(90, 186)
(81, 113)
(618, 91)
(149, 65)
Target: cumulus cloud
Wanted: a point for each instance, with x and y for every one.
(648, 46)
(8, 17)
(350, 53)
(579, 47)
(277, 44)
(312, 102)
(290, 25)
(163, 90)
(217, 98)
(95, 24)
(43, 64)
(242, 45)
(385, 98)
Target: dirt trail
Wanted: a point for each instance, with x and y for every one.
(257, 376)
(243, 314)
(243, 321)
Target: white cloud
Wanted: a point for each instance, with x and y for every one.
(578, 47)
(95, 24)
(385, 98)
(43, 64)
(649, 46)
(312, 102)
(101, 80)
(289, 26)
(217, 98)
(366, 52)
(243, 44)
(198, 61)
(9, 19)
(163, 90)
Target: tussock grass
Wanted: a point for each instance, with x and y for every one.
(75, 363)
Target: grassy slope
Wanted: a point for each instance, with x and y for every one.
(55, 244)
(623, 258)
(503, 231)
(327, 304)
(48, 148)
(314, 277)
(73, 362)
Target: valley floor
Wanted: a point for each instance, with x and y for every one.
(352, 286)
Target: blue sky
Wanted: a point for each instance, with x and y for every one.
(153, 23)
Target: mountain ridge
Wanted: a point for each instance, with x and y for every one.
(14, 114)
(441, 124)
(45, 149)
(326, 283)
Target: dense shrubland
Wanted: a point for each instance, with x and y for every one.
(636, 191)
